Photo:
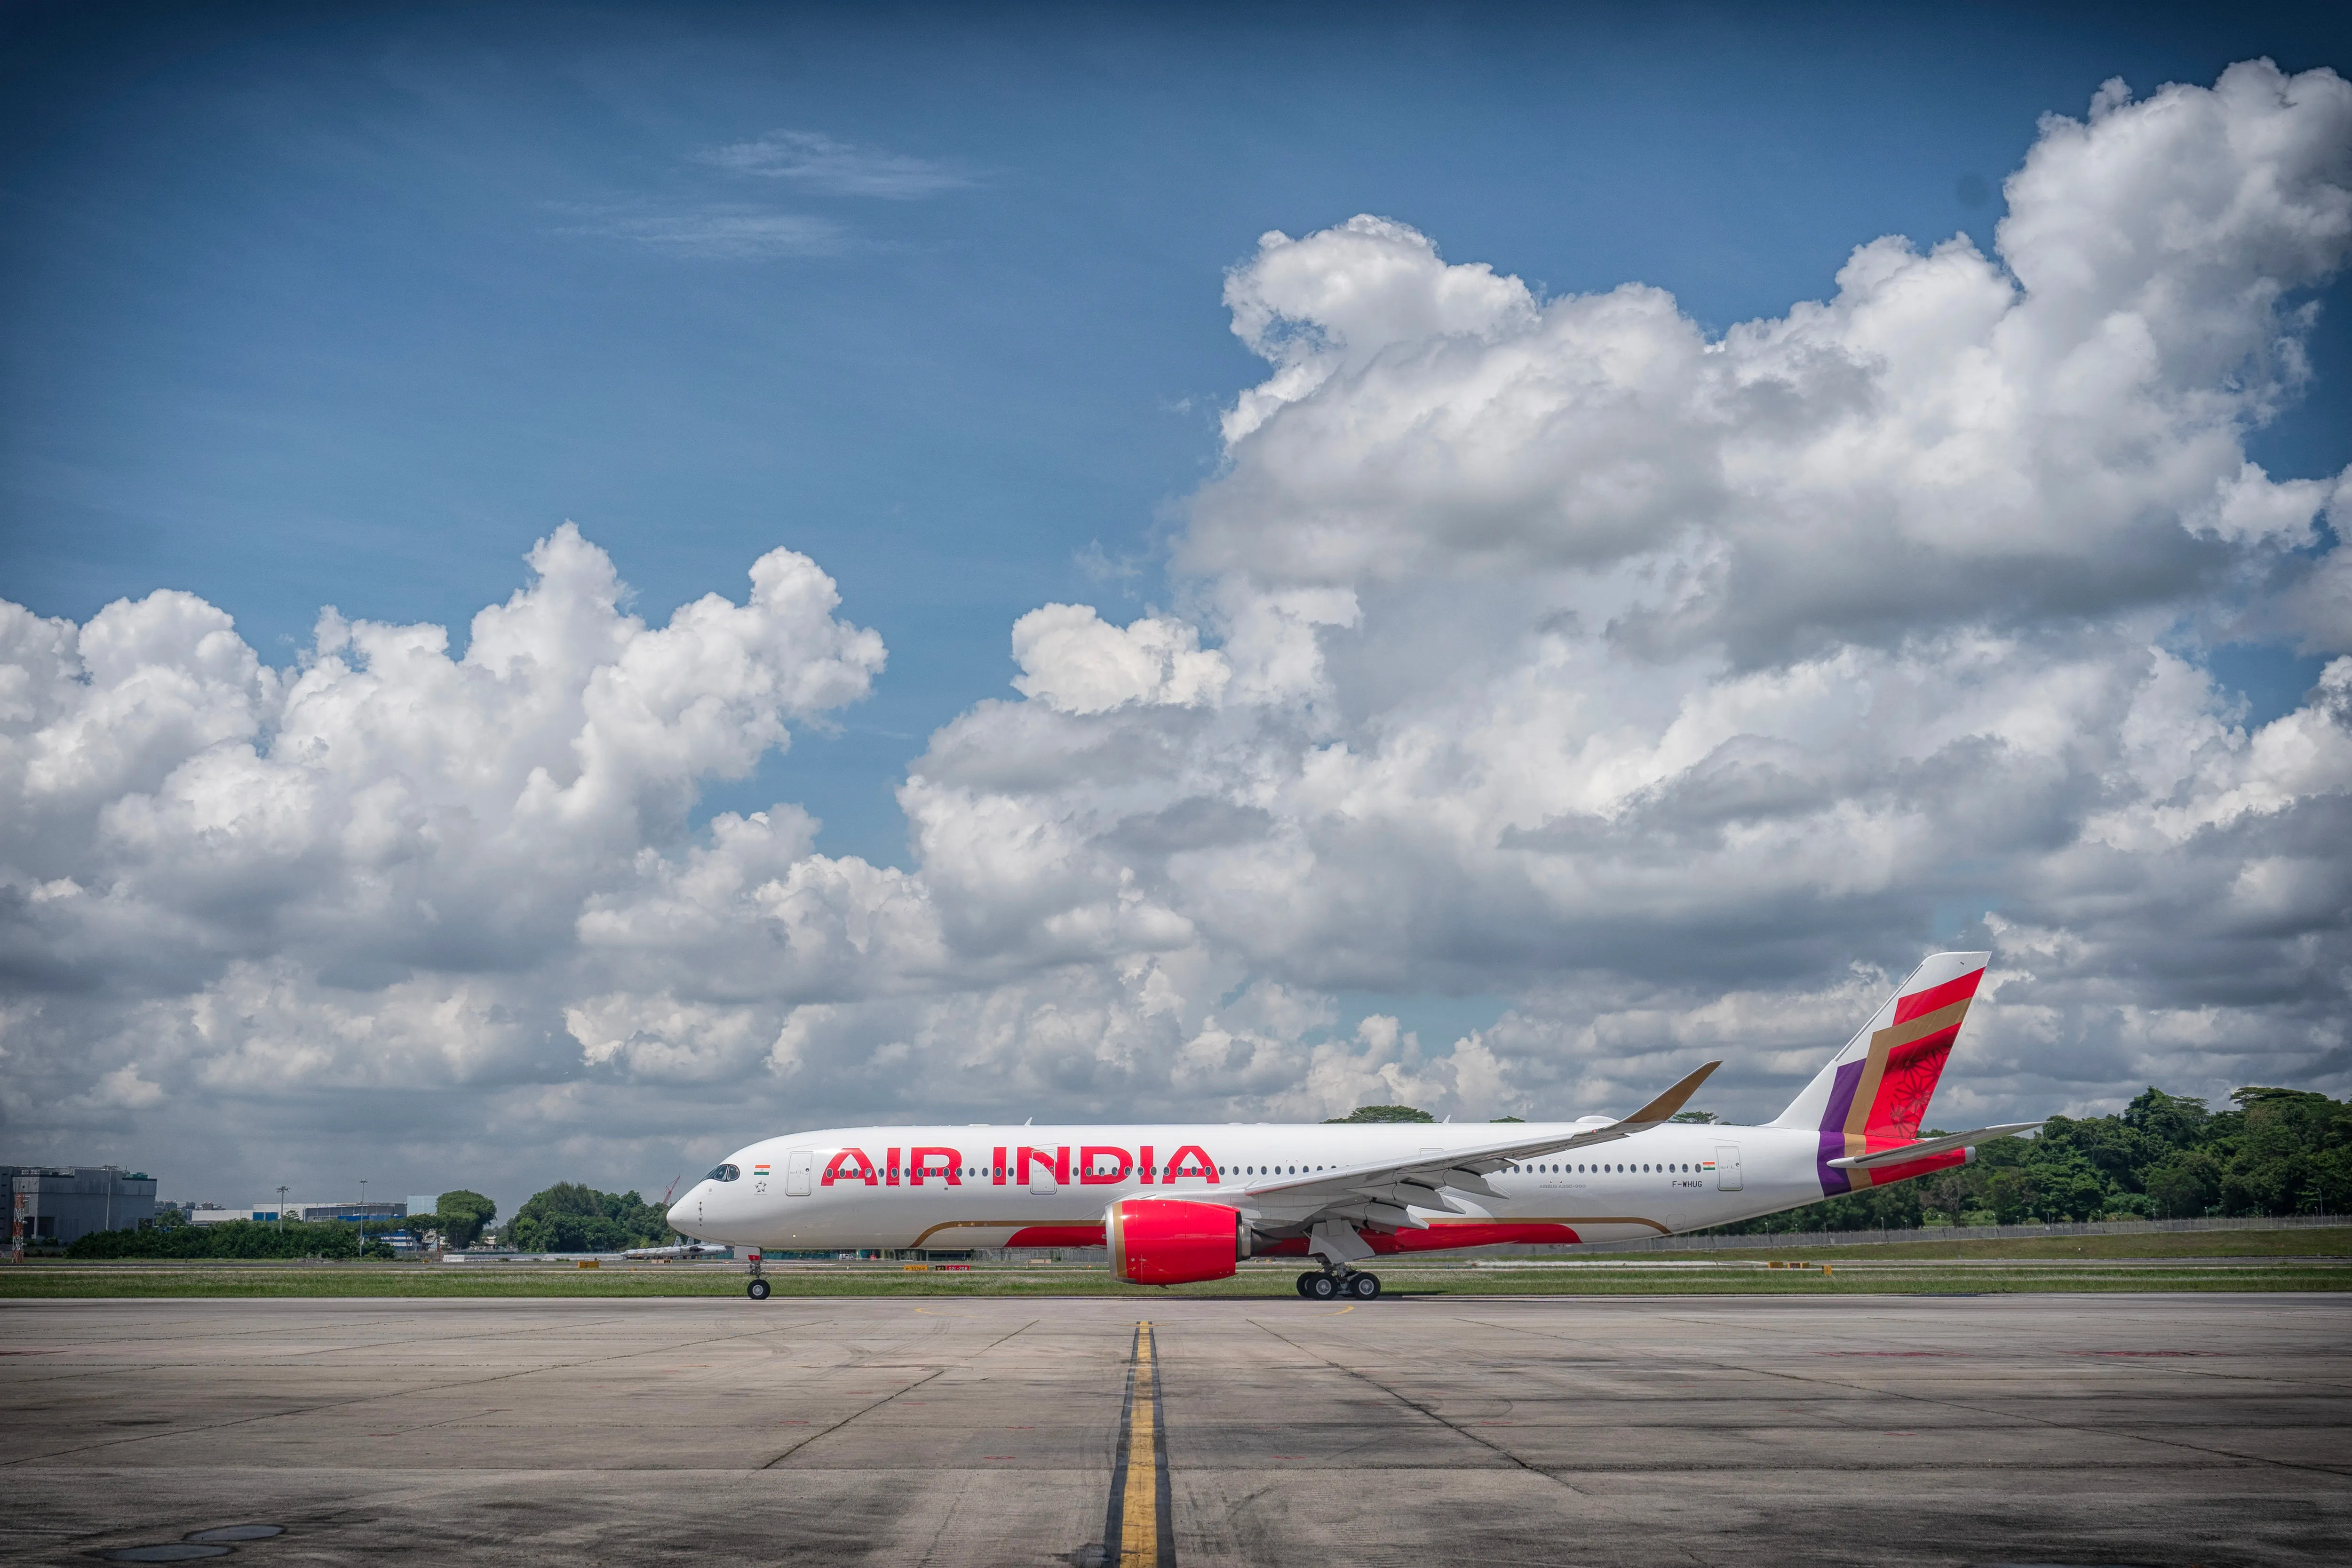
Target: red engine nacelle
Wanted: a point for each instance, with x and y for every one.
(1173, 1241)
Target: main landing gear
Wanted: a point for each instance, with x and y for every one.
(1331, 1284)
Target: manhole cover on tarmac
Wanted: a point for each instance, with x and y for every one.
(238, 1532)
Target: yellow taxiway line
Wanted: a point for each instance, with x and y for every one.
(1138, 1534)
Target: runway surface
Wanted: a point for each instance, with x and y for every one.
(2026, 1429)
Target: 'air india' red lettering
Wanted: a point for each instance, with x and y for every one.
(1176, 1166)
(849, 1165)
(1059, 1159)
(996, 1166)
(1093, 1154)
(918, 1165)
(889, 1168)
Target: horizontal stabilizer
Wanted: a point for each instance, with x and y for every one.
(1920, 1151)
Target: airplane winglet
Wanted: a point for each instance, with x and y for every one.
(1663, 1108)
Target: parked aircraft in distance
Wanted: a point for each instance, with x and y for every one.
(1179, 1204)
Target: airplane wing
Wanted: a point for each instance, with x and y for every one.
(1383, 1195)
(1909, 1152)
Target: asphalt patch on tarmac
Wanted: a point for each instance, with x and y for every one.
(194, 1546)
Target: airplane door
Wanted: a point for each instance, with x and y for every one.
(798, 1172)
(1041, 1178)
(1726, 1167)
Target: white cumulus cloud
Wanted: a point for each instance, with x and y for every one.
(1675, 688)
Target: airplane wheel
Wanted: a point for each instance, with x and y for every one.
(1307, 1282)
(757, 1290)
(1324, 1289)
(1365, 1286)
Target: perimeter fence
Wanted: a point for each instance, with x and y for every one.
(1703, 1243)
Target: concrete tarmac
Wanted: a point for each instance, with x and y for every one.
(2170, 1429)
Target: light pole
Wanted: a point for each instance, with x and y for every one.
(282, 1208)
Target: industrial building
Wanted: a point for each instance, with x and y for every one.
(52, 1204)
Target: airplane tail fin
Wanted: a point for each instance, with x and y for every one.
(1874, 1093)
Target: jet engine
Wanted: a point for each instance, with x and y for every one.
(1173, 1241)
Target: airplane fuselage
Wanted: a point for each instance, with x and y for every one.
(960, 1187)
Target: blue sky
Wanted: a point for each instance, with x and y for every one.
(1580, 687)
(349, 305)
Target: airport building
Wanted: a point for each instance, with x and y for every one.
(51, 1205)
(267, 1212)
(353, 1211)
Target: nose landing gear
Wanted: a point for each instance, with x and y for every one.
(1330, 1285)
(757, 1290)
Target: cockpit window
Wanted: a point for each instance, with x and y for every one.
(724, 1174)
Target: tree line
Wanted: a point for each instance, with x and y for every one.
(2164, 1156)
(2274, 1152)
(566, 1217)
(461, 1219)
(571, 1217)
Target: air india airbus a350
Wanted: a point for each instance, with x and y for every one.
(1179, 1204)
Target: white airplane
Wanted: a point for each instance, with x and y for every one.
(1180, 1204)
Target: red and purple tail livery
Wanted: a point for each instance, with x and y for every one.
(1874, 1093)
